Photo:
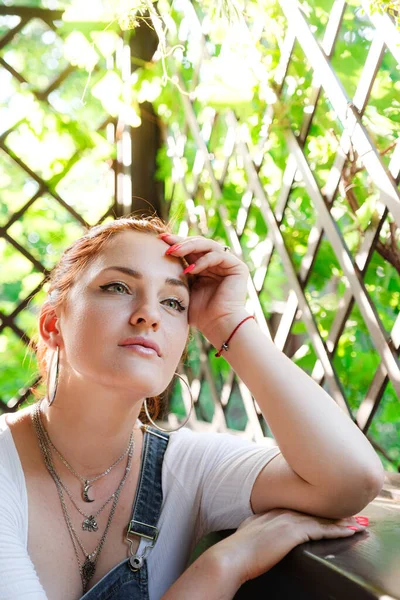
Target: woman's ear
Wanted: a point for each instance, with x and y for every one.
(48, 326)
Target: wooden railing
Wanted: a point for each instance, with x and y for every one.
(363, 567)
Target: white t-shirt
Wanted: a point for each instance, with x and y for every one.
(207, 479)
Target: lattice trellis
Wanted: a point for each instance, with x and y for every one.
(232, 221)
(80, 186)
(214, 144)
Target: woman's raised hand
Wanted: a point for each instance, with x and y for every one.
(262, 540)
(220, 285)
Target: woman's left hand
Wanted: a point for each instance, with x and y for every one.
(220, 285)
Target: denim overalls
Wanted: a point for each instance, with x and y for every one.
(128, 579)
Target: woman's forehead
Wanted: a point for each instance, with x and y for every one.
(138, 249)
(140, 252)
(133, 239)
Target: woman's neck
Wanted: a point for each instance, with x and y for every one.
(91, 435)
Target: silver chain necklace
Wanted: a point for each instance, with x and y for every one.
(85, 481)
(90, 523)
(87, 569)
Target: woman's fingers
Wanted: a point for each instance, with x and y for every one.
(219, 262)
(188, 247)
(201, 254)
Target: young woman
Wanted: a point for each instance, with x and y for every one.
(93, 503)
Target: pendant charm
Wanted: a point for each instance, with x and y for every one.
(135, 562)
(88, 569)
(90, 524)
(85, 492)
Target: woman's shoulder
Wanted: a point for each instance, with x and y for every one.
(222, 465)
(204, 438)
(191, 451)
(12, 428)
(7, 446)
(186, 440)
(13, 500)
(9, 420)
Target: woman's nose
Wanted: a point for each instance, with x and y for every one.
(149, 312)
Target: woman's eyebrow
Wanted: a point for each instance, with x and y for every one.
(138, 275)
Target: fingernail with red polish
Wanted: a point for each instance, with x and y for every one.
(173, 248)
(189, 268)
(362, 520)
(163, 235)
(351, 527)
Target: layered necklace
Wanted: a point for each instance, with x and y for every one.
(88, 566)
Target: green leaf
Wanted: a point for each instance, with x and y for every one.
(365, 212)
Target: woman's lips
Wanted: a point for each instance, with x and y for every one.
(141, 349)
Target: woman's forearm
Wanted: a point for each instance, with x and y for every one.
(205, 578)
(318, 440)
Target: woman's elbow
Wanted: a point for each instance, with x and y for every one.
(357, 496)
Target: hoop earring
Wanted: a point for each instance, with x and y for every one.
(187, 418)
(50, 399)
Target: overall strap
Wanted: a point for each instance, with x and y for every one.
(148, 498)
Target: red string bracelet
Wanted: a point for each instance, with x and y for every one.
(225, 344)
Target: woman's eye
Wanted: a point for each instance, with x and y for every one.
(115, 285)
(178, 303)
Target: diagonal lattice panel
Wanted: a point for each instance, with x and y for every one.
(56, 149)
(353, 154)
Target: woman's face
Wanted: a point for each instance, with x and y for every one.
(105, 306)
